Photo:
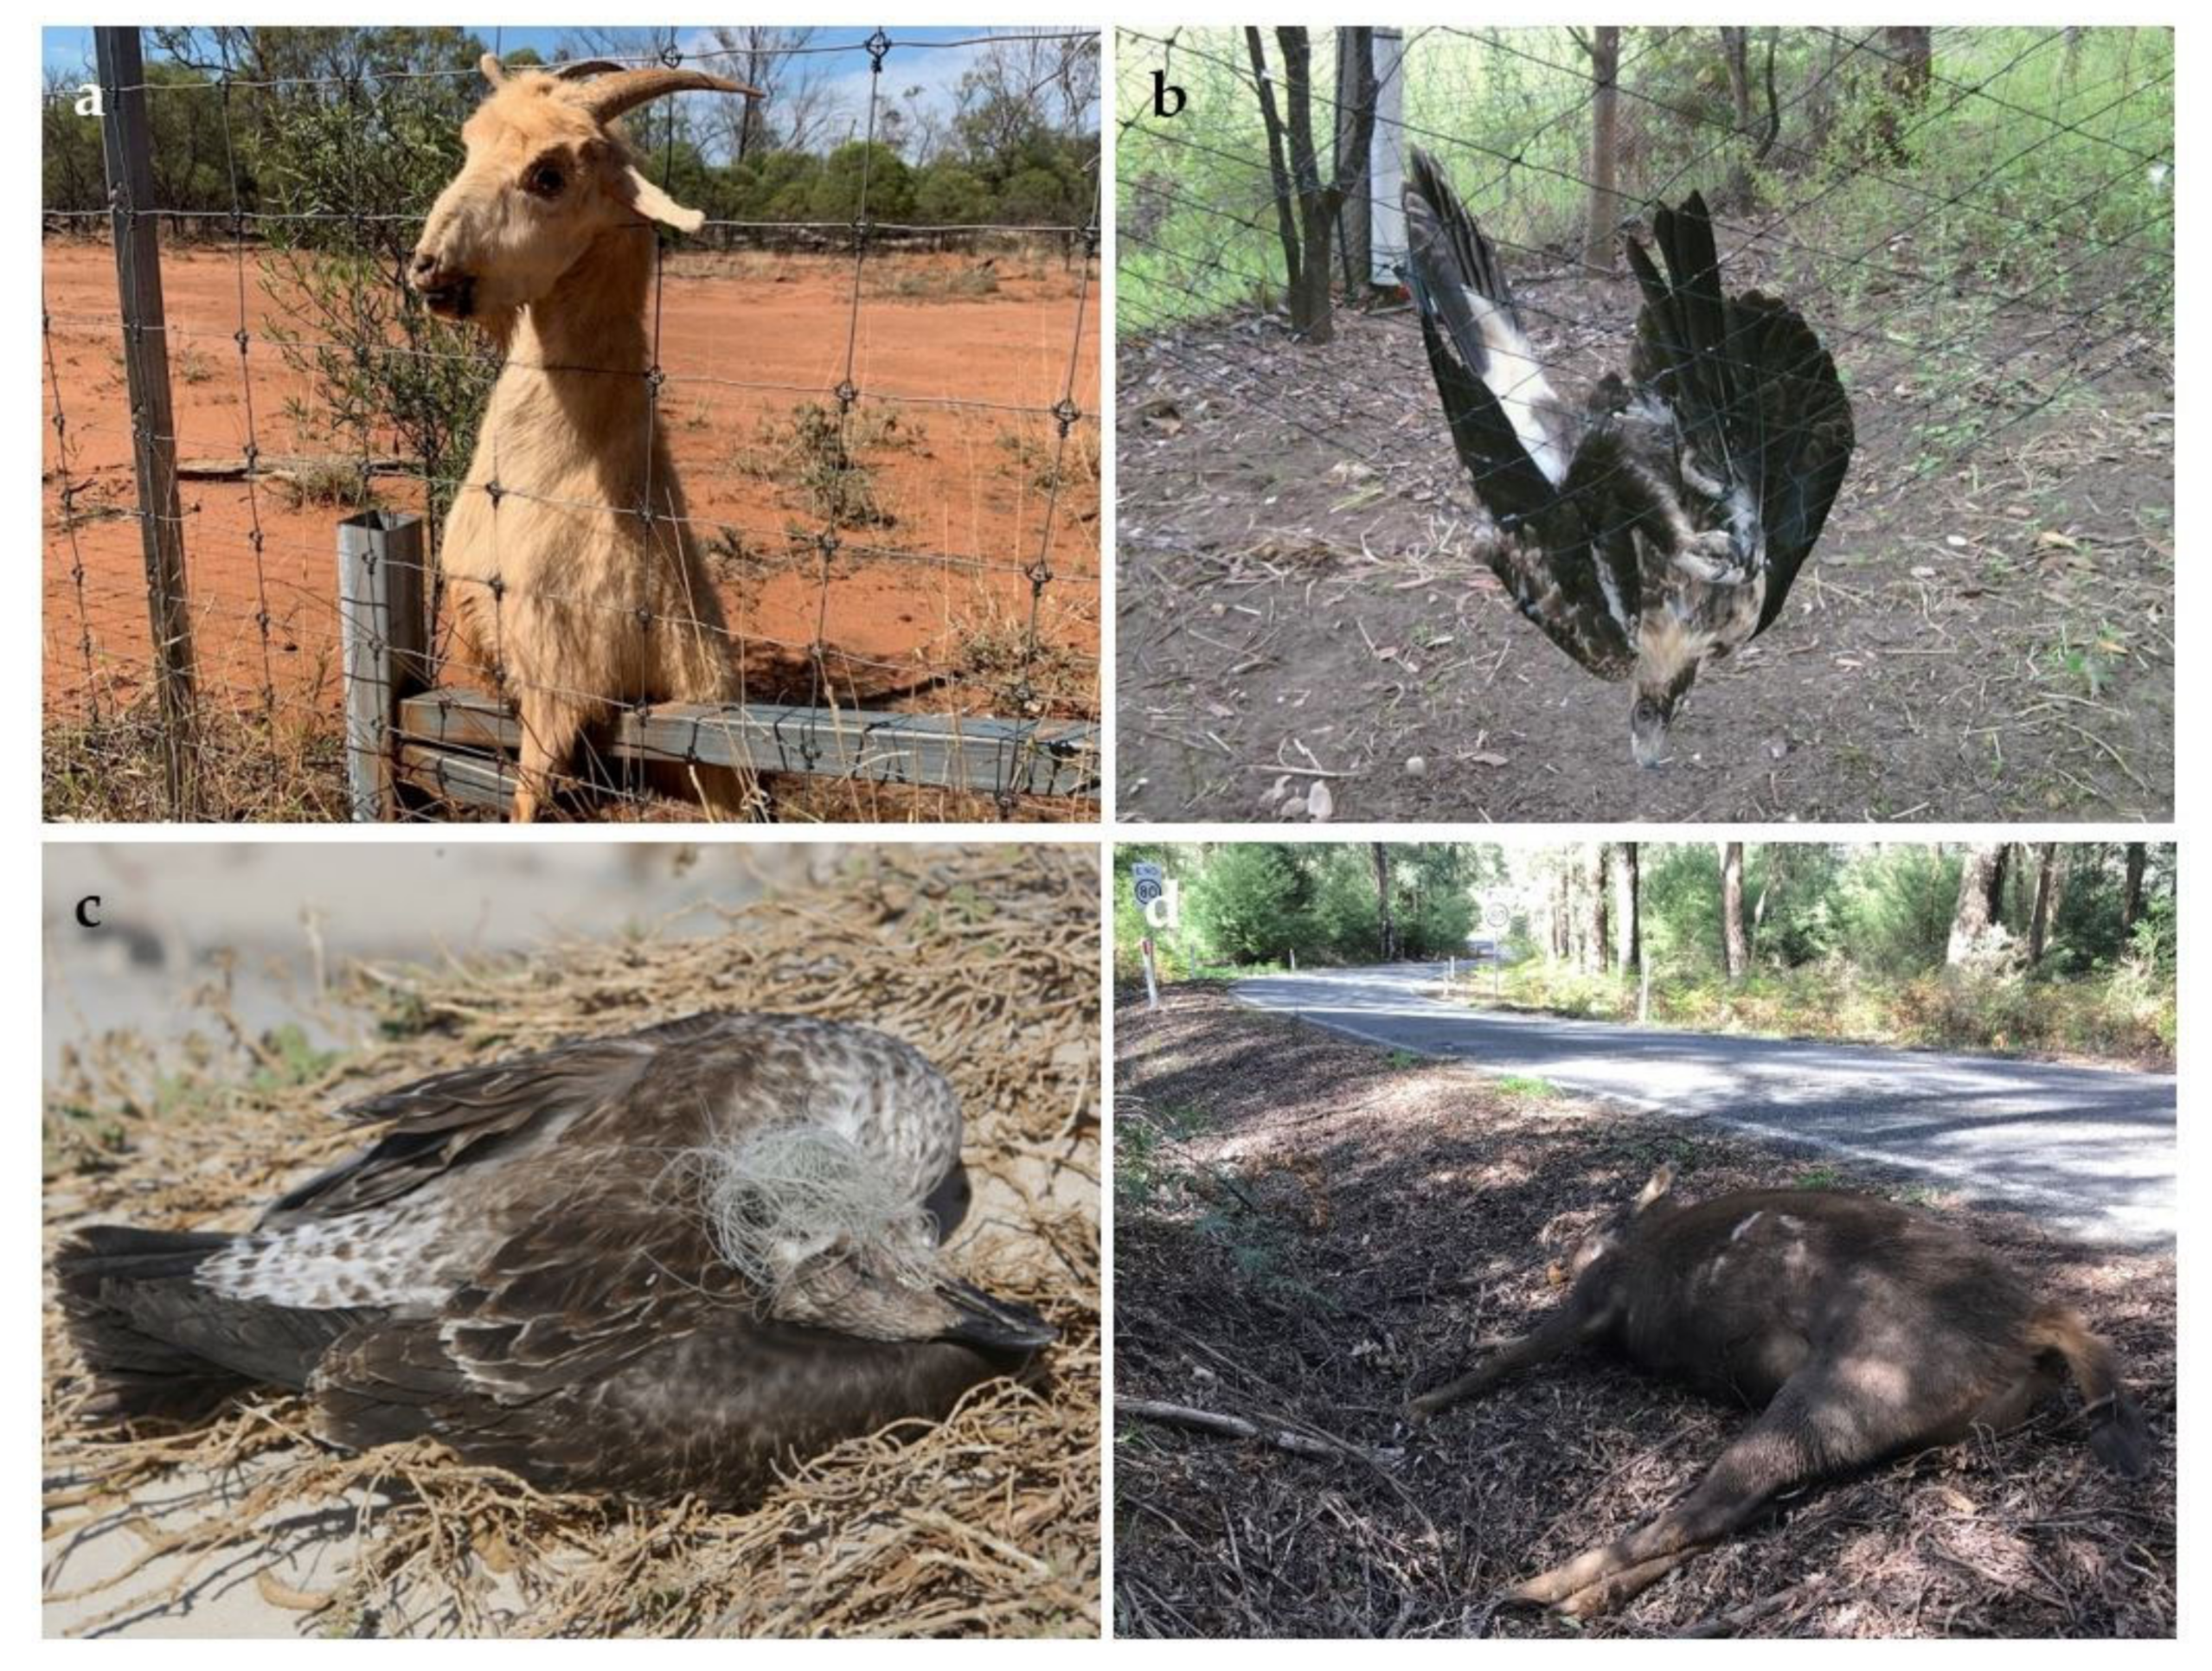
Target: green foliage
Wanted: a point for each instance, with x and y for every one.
(951, 194)
(346, 171)
(1247, 898)
(863, 170)
(1024, 149)
(2126, 1014)
(1895, 909)
(1848, 940)
(2017, 167)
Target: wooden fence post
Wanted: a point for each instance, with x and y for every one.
(125, 146)
(385, 628)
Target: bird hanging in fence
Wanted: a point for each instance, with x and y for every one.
(662, 1263)
(1661, 527)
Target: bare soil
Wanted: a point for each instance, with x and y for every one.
(1312, 1229)
(1983, 632)
(928, 610)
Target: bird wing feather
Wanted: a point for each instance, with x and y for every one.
(1756, 395)
(457, 1118)
(1519, 443)
(1511, 430)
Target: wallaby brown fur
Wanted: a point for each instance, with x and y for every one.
(1859, 1329)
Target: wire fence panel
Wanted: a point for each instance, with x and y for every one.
(1977, 224)
(854, 415)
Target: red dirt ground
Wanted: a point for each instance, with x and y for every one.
(931, 618)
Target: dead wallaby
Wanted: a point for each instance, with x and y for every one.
(1859, 1329)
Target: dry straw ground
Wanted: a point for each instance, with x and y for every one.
(985, 958)
(1306, 1229)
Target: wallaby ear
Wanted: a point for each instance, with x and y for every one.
(1658, 1185)
(650, 201)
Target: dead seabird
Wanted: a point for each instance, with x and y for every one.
(653, 1265)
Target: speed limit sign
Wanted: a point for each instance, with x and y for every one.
(1496, 916)
(1148, 882)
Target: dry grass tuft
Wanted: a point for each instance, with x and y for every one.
(983, 958)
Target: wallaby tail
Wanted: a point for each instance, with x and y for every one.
(2116, 1431)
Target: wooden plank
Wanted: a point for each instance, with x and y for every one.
(126, 147)
(1041, 757)
(468, 779)
(384, 631)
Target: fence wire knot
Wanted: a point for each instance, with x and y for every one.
(878, 45)
(1067, 412)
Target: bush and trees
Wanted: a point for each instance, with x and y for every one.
(2056, 947)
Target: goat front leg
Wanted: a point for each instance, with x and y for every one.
(1574, 1324)
(550, 731)
(1806, 1433)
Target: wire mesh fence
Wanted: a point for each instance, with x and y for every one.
(1977, 223)
(796, 506)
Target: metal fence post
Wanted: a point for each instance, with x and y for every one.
(125, 143)
(385, 631)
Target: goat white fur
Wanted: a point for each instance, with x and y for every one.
(574, 581)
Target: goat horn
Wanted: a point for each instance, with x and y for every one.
(610, 95)
(584, 67)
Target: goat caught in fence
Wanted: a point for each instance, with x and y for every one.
(750, 483)
(580, 585)
(1858, 1328)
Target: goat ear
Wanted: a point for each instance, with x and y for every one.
(650, 201)
(494, 71)
(1658, 1185)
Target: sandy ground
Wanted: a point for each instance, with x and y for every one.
(745, 340)
(271, 925)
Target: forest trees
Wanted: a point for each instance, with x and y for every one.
(1735, 912)
(1306, 206)
(260, 113)
(2060, 946)
(1735, 944)
(1978, 920)
(1601, 233)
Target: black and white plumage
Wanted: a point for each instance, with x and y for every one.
(653, 1265)
(1663, 525)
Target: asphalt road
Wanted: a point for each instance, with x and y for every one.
(2089, 1150)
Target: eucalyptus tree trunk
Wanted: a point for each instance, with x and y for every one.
(1735, 947)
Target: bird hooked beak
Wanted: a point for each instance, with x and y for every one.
(981, 1319)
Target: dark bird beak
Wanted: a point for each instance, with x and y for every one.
(1001, 1325)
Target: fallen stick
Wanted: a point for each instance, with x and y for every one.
(1730, 1622)
(1283, 1438)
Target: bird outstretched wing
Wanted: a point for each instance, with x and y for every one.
(1766, 425)
(1511, 431)
(1523, 449)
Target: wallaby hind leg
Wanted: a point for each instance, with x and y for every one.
(1808, 1430)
